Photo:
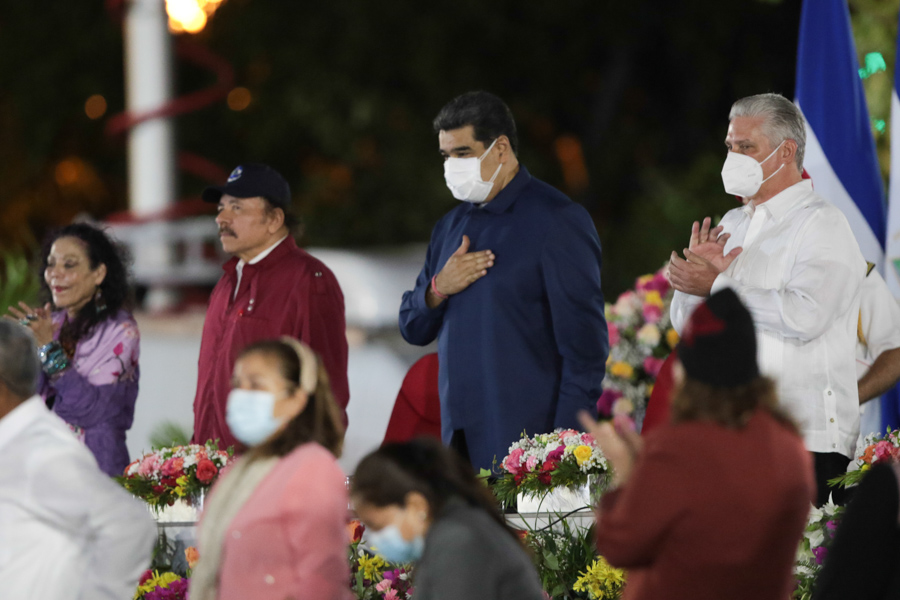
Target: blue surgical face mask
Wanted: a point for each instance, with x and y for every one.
(389, 543)
(249, 414)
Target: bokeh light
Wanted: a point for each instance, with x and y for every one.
(190, 15)
(239, 98)
(95, 106)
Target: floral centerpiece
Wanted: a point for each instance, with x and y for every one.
(165, 475)
(162, 586)
(817, 537)
(879, 448)
(640, 338)
(536, 465)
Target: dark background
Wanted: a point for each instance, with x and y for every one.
(622, 105)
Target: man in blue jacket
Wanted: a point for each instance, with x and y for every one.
(510, 289)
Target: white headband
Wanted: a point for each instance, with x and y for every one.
(309, 366)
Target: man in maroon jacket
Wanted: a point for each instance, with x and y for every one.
(270, 288)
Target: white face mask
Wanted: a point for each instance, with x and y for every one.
(463, 177)
(249, 414)
(743, 176)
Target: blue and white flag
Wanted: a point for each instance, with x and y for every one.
(840, 149)
(890, 403)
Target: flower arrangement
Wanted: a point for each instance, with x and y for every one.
(879, 448)
(165, 475)
(601, 581)
(640, 338)
(536, 465)
(817, 537)
(154, 585)
(371, 577)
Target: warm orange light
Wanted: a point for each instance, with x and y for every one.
(239, 98)
(571, 159)
(95, 106)
(68, 171)
(190, 15)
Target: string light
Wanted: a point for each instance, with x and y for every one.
(190, 16)
(239, 98)
(95, 106)
(874, 63)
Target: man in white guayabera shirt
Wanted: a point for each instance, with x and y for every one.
(792, 258)
(66, 529)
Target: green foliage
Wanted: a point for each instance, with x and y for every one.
(18, 281)
(562, 554)
(168, 434)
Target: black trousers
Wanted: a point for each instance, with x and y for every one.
(828, 466)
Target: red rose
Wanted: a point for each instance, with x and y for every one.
(519, 477)
(206, 470)
(158, 489)
(146, 575)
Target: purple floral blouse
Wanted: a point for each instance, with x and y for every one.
(96, 394)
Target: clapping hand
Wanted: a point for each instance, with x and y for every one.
(37, 319)
(620, 445)
(703, 261)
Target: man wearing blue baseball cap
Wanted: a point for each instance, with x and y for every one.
(270, 288)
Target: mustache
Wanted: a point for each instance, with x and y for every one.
(226, 230)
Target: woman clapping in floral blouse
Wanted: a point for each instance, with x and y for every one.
(89, 341)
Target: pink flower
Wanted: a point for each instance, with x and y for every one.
(566, 433)
(118, 349)
(884, 450)
(606, 401)
(652, 314)
(587, 439)
(531, 463)
(557, 454)
(172, 467)
(613, 334)
(514, 461)
(653, 365)
(391, 595)
(820, 553)
(148, 465)
(383, 586)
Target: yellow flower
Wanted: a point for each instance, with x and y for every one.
(157, 580)
(865, 467)
(601, 580)
(179, 491)
(371, 566)
(621, 369)
(582, 453)
(653, 298)
(643, 280)
(672, 338)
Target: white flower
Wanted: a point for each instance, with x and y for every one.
(649, 335)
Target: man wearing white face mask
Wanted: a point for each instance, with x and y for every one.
(792, 258)
(510, 289)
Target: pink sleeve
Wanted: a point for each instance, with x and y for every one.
(314, 510)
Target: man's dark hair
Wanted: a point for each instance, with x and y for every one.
(485, 112)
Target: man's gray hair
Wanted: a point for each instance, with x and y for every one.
(783, 120)
(19, 362)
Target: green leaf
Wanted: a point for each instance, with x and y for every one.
(551, 561)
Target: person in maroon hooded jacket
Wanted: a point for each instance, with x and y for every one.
(270, 288)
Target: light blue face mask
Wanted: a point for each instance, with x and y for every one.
(249, 415)
(389, 543)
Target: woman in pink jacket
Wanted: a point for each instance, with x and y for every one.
(274, 526)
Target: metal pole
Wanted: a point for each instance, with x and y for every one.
(151, 147)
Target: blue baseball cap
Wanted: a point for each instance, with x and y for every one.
(252, 180)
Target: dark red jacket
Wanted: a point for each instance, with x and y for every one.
(287, 293)
(710, 513)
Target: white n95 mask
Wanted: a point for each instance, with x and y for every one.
(743, 176)
(463, 177)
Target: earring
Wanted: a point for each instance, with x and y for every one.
(99, 302)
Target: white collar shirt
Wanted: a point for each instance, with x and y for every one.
(66, 529)
(239, 268)
(799, 274)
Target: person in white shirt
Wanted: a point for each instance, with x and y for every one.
(878, 349)
(66, 529)
(792, 259)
